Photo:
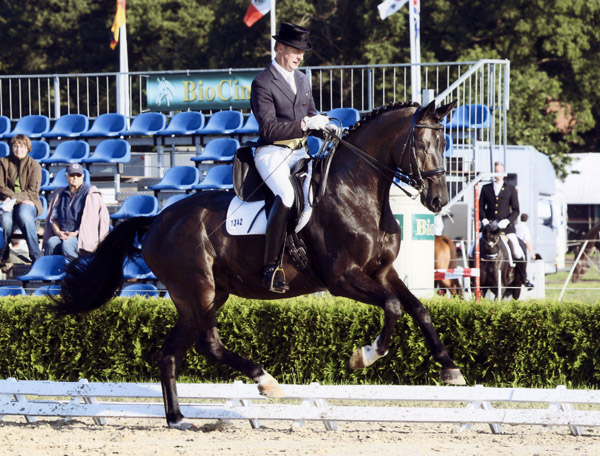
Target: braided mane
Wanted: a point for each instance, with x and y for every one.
(380, 110)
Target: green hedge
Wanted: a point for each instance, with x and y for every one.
(528, 344)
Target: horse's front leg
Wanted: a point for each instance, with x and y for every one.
(450, 372)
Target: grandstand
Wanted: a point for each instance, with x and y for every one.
(128, 153)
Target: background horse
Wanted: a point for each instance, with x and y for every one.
(593, 238)
(352, 240)
(446, 258)
(495, 257)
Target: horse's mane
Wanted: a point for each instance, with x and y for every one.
(380, 110)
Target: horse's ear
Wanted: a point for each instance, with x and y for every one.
(443, 111)
(428, 111)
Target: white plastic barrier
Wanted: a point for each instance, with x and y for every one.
(80, 399)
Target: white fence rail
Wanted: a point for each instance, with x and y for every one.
(238, 401)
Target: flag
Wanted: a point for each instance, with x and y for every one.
(118, 22)
(389, 7)
(256, 10)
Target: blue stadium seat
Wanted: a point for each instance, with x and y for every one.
(218, 177)
(178, 178)
(250, 127)
(44, 213)
(60, 180)
(40, 150)
(183, 123)
(314, 145)
(218, 150)
(471, 116)
(4, 126)
(45, 177)
(223, 123)
(12, 290)
(49, 268)
(69, 152)
(47, 290)
(173, 199)
(110, 151)
(449, 146)
(68, 126)
(348, 116)
(106, 125)
(146, 124)
(4, 149)
(140, 289)
(136, 268)
(33, 126)
(137, 205)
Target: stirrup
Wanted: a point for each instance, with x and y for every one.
(274, 279)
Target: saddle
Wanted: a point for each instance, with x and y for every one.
(254, 200)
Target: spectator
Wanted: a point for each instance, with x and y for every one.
(20, 179)
(77, 217)
(522, 231)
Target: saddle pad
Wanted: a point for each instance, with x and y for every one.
(247, 218)
(508, 250)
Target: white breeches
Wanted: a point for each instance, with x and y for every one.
(274, 164)
(514, 240)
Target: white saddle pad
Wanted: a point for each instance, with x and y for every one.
(246, 218)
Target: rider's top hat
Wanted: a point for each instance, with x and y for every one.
(294, 35)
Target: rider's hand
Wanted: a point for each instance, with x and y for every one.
(332, 130)
(485, 222)
(502, 224)
(318, 122)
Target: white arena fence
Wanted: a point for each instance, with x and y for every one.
(463, 406)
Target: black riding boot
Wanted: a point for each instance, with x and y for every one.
(273, 275)
(521, 270)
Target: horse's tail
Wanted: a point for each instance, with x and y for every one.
(91, 282)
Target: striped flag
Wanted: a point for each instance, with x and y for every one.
(389, 7)
(118, 23)
(256, 10)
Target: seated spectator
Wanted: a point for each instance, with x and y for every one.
(77, 217)
(20, 179)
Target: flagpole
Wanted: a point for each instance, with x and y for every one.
(123, 79)
(273, 28)
(414, 15)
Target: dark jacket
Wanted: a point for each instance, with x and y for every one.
(278, 111)
(30, 175)
(503, 206)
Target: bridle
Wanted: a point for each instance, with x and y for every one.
(413, 176)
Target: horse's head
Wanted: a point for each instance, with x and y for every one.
(423, 155)
(490, 238)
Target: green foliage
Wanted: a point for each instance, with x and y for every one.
(528, 344)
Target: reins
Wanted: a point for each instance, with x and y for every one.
(414, 178)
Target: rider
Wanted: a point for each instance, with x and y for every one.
(282, 102)
(499, 202)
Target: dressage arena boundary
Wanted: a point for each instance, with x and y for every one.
(468, 405)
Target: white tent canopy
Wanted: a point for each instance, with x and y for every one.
(582, 185)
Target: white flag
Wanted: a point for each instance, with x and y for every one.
(389, 7)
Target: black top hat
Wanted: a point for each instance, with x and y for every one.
(294, 35)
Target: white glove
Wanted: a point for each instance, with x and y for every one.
(503, 223)
(317, 122)
(485, 222)
(332, 129)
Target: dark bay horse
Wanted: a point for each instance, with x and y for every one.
(446, 258)
(593, 238)
(494, 258)
(352, 240)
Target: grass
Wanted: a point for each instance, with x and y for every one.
(586, 290)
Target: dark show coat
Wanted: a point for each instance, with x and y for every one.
(277, 109)
(503, 206)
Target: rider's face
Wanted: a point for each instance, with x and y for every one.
(289, 57)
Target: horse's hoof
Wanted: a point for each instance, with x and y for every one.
(357, 360)
(181, 425)
(452, 377)
(269, 387)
